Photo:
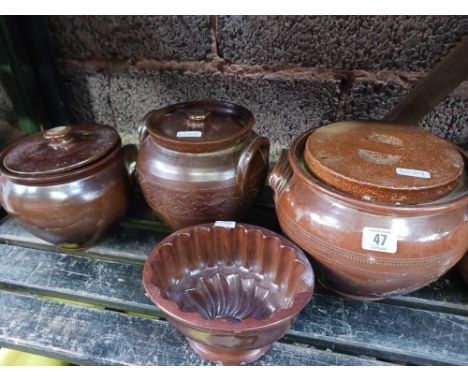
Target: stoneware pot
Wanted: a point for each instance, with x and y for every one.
(364, 249)
(231, 291)
(200, 162)
(67, 185)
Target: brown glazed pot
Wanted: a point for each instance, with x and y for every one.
(67, 185)
(215, 176)
(329, 224)
(231, 291)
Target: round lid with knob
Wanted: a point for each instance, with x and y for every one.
(199, 125)
(59, 149)
(384, 162)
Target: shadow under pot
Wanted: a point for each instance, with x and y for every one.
(463, 268)
(200, 162)
(231, 291)
(67, 185)
(364, 240)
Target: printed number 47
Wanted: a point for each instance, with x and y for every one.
(380, 239)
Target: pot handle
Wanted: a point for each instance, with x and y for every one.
(280, 175)
(142, 129)
(142, 132)
(259, 145)
(129, 154)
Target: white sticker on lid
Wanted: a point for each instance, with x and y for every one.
(378, 239)
(413, 173)
(189, 134)
(225, 224)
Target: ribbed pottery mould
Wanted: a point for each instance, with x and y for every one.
(230, 273)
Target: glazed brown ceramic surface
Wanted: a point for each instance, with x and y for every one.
(71, 209)
(192, 180)
(231, 291)
(60, 149)
(376, 161)
(329, 224)
(218, 125)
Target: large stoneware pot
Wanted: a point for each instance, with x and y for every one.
(67, 185)
(365, 228)
(200, 162)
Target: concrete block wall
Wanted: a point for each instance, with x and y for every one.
(292, 72)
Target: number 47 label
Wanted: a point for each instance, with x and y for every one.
(378, 239)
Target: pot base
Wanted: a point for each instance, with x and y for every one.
(347, 295)
(227, 357)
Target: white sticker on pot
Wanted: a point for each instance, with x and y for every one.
(378, 239)
(225, 224)
(189, 134)
(413, 173)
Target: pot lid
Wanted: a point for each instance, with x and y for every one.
(199, 125)
(60, 149)
(384, 162)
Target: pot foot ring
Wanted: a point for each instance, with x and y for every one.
(348, 295)
(225, 356)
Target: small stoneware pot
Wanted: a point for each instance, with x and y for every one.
(231, 291)
(200, 162)
(67, 185)
(366, 249)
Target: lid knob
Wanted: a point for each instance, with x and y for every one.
(60, 135)
(198, 115)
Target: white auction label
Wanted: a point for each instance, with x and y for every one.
(225, 224)
(378, 239)
(413, 173)
(189, 134)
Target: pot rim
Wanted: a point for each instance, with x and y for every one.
(194, 146)
(74, 174)
(294, 158)
(116, 140)
(221, 325)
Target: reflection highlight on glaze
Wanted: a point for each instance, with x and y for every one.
(169, 171)
(433, 237)
(327, 221)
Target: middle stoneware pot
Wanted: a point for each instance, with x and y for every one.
(200, 162)
(232, 291)
(364, 247)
